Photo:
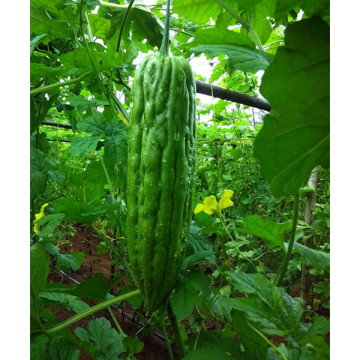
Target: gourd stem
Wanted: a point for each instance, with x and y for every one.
(91, 311)
(123, 23)
(59, 84)
(283, 267)
(168, 346)
(165, 41)
(175, 327)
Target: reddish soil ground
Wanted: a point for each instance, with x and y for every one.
(86, 241)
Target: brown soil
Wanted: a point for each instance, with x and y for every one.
(86, 241)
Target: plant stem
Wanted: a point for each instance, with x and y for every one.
(165, 41)
(91, 311)
(248, 26)
(268, 341)
(116, 322)
(59, 84)
(175, 327)
(131, 3)
(283, 267)
(168, 346)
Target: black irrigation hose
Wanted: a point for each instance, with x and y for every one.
(113, 306)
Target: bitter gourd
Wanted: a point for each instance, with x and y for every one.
(161, 165)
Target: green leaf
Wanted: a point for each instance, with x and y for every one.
(254, 345)
(133, 345)
(199, 250)
(142, 23)
(51, 223)
(189, 291)
(38, 172)
(240, 57)
(270, 307)
(67, 300)
(273, 233)
(260, 15)
(214, 345)
(81, 146)
(57, 176)
(81, 212)
(298, 89)
(82, 104)
(317, 259)
(115, 149)
(67, 261)
(62, 349)
(217, 36)
(39, 270)
(105, 339)
(95, 288)
(38, 347)
(34, 42)
(46, 18)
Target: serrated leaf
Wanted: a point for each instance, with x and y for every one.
(189, 291)
(62, 349)
(115, 149)
(317, 259)
(38, 347)
(105, 339)
(67, 261)
(298, 88)
(199, 249)
(95, 288)
(51, 222)
(81, 146)
(38, 172)
(81, 212)
(270, 307)
(240, 57)
(273, 233)
(142, 23)
(69, 301)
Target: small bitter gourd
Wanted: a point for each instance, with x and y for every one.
(161, 166)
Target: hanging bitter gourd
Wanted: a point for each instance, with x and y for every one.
(161, 166)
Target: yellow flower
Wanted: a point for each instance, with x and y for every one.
(211, 206)
(38, 217)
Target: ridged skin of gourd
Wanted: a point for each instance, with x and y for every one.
(161, 166)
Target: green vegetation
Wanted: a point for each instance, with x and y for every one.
(251, 278)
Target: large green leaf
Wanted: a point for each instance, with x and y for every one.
(81, 212)
(254, 345)
(189, 292)
(141, 24)
(106, 340)
(240, 57)
(218, 35)
(296, 135)
(317, 259)
(214, 345)
(39, 270)
(270, 307)
(273, 233)
(199, 249)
